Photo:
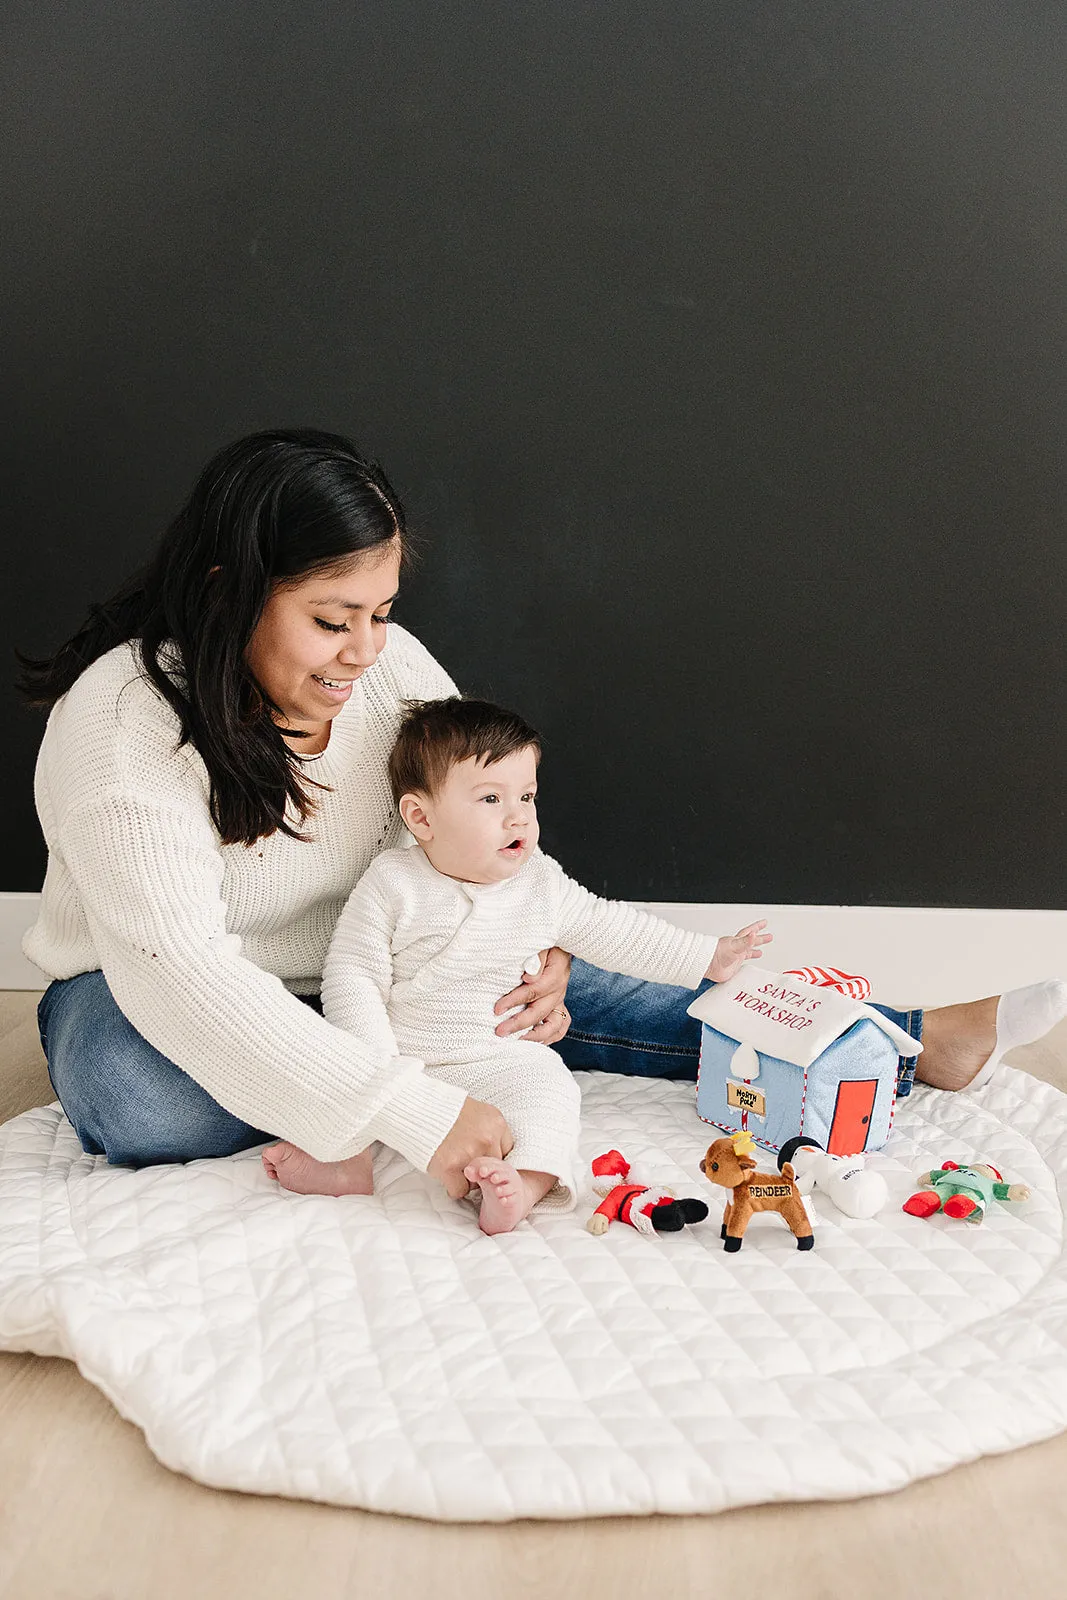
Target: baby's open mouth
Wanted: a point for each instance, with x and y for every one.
(514, 847)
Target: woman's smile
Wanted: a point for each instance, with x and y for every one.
(336, 690)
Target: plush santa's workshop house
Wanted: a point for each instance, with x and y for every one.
(781, 1056)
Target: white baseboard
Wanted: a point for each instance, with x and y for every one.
(912, 956)
(18, 913)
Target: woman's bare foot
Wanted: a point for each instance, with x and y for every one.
(296, 1170)
(957, 1043)
(508, 1195)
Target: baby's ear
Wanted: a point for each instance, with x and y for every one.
(416, 817)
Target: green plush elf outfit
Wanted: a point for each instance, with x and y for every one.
(962, 1192)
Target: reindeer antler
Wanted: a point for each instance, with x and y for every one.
(743, 1143)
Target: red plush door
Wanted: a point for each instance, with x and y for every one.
(852, 1117)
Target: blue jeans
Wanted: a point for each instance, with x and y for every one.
(643, 1029)
(127, 1102)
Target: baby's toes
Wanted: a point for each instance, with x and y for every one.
(272, 1156)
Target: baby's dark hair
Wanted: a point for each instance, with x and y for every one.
(435, 734)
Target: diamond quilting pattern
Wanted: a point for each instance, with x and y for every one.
(381, 1352)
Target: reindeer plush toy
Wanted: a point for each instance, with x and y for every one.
(728, 1162)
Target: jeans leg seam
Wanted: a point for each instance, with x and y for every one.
(650, 1048)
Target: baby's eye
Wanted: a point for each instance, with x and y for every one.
(529, 797)
(381, 620)
(332, 627)
(491, 799)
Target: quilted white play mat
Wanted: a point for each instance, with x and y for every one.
(381, 1352)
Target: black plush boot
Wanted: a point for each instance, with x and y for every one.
(668, 1218)
(674, 1214)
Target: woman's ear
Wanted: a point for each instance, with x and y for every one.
(416, 816)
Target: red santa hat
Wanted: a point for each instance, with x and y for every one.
(611, 1165)
(612, 1168)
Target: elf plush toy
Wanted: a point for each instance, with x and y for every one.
(962, 1192)
(647, 1206)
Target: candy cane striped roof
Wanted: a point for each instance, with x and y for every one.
(831, 978)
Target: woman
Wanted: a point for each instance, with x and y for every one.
(212, 782)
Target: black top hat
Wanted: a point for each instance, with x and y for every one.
(791, 1146)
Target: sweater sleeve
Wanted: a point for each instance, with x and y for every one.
(357, 975)
(622, 938)
(158, 922)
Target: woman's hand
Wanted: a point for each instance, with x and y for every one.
(541, 995)
(479, 1130)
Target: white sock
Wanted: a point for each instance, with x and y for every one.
(1024, 1015)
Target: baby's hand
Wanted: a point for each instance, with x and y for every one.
(735, 949)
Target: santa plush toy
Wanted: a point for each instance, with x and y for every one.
(635, 1198)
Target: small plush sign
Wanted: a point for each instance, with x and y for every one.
(745, 1098)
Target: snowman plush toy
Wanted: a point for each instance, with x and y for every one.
(853, 1189)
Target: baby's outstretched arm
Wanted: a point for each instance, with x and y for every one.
(734, 949)
(627, 939)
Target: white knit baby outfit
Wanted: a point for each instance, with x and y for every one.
(205, 946)
(419, 960)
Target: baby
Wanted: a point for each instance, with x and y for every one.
(431, 937)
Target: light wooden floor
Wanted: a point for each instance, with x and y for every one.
(87, 1513)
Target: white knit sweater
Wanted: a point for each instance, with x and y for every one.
(419, 959)
(200, 942)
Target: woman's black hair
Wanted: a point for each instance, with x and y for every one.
(275, 506)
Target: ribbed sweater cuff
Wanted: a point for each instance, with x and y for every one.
(418, 1116)
(700, 960)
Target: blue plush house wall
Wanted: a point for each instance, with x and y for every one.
(844, 1099)
(840, 1087)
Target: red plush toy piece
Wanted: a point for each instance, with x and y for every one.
(648, 1207)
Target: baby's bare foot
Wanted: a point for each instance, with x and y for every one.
(296, 1170)
(506, 1198)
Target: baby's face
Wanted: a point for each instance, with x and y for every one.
(481, 826)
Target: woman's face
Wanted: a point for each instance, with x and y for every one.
(318, 635)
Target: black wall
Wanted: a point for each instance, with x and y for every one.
(717, 348)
